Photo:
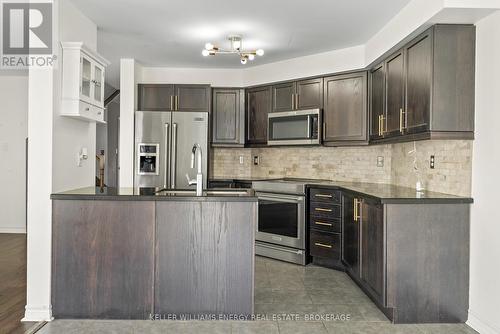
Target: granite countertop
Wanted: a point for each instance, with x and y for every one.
(155, 194)
(387, 193)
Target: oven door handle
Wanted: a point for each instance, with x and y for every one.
(283, 249)
(280, 197)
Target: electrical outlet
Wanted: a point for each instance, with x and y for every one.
(432, 162)
(241, 160)
(256, 160)
(380, 161)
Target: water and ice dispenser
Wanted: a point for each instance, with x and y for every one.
(148, 159)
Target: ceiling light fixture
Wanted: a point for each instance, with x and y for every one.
(236, 48)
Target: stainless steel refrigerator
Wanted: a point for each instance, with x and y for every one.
(163, 144)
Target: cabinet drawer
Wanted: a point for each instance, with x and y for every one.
(91, 112)
(327, 225)
(325, 195)
(325, 210)
(325, 245)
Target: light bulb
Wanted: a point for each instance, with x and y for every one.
(205, 53)
(209, 46)
(243, 60)
(251, 57)
(259, 52)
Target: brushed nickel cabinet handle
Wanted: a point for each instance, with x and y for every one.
(355, 209)
(171, 102)
(319, 244)
(293, 101)
(324, 210)
(323, 195)
(321, 223)
(380, 125)
(401, 120)
(297, 101)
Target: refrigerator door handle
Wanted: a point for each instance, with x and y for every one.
(174, 155)
(167, 156)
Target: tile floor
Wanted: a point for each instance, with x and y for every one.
(280, 289)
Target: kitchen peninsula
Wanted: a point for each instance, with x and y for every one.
(135, 253)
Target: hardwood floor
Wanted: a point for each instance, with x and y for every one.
(13, 283)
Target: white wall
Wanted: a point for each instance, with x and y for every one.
(71, 135)
(485, 217)
(13, 132)
(54, 142)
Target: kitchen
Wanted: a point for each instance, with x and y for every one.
(325, 191)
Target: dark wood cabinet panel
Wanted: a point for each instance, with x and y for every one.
(228, 117)
(372, 248)
(395, 89)
(155, 97)
(102, 259)
(350, 235)
(418, 84)
(194, 98)
(377, 101)
(309, 94)
(204, 259)
(325, 245)
(259, 101)
(284, 97)
(345, 108)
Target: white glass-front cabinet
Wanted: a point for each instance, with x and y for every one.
(83, 83)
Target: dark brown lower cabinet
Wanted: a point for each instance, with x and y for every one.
(372, 247)
(102, 259)
(350, 235)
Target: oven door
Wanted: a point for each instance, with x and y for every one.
(281, 220)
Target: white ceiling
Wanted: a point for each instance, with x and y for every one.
(172, 33)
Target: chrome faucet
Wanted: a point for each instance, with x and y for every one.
(196, 151)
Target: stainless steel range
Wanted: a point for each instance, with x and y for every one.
(281, 230)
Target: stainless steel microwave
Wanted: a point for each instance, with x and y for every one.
(301, 127)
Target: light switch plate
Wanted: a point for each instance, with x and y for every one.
(241, 160)
(256, 160)
(432, 162)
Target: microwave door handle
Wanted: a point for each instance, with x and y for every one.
(309, 126)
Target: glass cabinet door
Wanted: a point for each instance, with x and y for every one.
(98, 84)
(86, 77)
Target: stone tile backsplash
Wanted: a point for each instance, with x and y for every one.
(452, 172)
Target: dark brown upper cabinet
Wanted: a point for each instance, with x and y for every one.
(429, 87)
(258, 105)
(395, 88)
(155, 97)
(298, 95)
(167, 97)
(192, 98)
(345, 114)
(377, 101)
(228, 117)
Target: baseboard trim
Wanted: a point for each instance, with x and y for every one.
(38, 313)
(481, 326)
(18, 230)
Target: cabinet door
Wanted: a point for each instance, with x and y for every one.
(372, 247)
(192, 98)
(98, 85)
(310, 94)
(226, 116)
(258, 106)
(350, 234)
(85, 78)
(394, 94)
(418, 84)
(345, 108)
(377, 101)
(284, 97)
(156, 97)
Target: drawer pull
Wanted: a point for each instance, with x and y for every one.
(319, 244)
(323, 195)
(325, 224)
(321, 209)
